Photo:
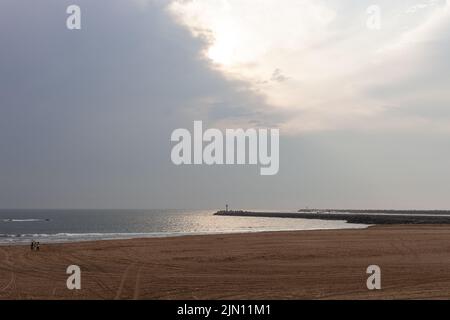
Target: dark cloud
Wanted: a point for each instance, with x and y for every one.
(86, 115)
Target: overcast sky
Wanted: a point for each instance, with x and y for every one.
(86, 115)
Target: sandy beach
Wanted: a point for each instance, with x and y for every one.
(415, 263)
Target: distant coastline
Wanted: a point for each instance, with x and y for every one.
(355, 216)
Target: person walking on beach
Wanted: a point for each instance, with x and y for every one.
(35, 246)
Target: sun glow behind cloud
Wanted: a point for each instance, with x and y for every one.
(242, 33)
(315, 59)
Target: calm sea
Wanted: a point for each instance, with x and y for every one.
(22, 226)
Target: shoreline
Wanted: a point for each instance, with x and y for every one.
(321, 264)
(181, 235)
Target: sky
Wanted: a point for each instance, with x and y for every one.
(86, 115)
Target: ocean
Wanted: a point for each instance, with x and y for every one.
(47, 226)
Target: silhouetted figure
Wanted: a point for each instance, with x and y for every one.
(32, 245)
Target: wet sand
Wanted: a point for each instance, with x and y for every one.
(414, 259)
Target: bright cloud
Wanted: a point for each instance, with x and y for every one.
(317, 60)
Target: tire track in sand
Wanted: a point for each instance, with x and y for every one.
(122, 281)
(12, 282)
(137, 284)
(131, 275)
